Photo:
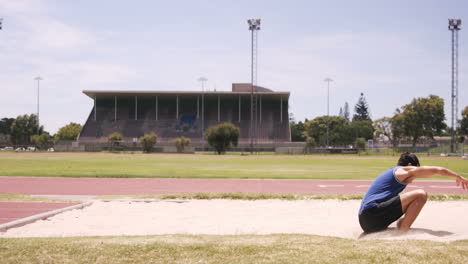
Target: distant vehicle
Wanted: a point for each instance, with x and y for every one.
(31, 149)
(50, 149)
(20, 149)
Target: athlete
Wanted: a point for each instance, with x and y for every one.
(384, 203)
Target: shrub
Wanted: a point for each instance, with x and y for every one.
(181, 143)
(310, 144)
(115, 138)
(41, 141)
(148, 141)
(361, 143)
(222, 136)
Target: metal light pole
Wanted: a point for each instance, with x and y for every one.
(254, 26)
(38, 79)
(328, 80)
(1, 23)
(203, 80)
(454, 26)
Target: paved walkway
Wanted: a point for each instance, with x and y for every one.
(127, 186)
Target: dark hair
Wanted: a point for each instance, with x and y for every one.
(407, 158)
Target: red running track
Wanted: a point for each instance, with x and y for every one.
(11, 211)
(127, 186)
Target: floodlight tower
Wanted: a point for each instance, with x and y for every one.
(38, 79)
(328, 80)
(254, 26)
(454, 26)
(203, 80)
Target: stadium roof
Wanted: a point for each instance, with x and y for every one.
(99, 93)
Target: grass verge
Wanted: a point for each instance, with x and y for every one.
(227, 249)
(208, 166)
(266, 196)
(17, 197)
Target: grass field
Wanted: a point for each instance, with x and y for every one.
(207, 166)
(227, 249)
(219, 249)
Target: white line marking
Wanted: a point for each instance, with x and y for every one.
(414, 186)
(327, 186)
(444, 187)
(362, 186)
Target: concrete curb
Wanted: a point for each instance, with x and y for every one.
(33, 218)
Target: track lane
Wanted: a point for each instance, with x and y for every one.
(128, 186)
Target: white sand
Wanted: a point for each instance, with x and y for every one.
(439, 221)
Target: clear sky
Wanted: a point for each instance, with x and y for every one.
(392, 51)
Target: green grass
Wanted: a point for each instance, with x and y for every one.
(227, 249)
(207, 166)
(265, 196)
(17, 197)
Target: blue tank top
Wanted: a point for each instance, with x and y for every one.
(383, 188)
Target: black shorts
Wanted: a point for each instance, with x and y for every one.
(380, 217)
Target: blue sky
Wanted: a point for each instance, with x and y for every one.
(392, 51)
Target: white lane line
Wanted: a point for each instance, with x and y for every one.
(362, 186)
(327, 186)
(444, 187)
(414, 186)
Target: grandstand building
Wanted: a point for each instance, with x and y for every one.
(174, 114)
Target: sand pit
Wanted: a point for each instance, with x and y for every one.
(439, 221)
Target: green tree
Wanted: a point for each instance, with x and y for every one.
(423, 117)
(41, 141)
(222, 136)
(464, 122)
(391, 127)
(297, 131)
(346, 111)
(148, 141)
(361, 110)
(5, 125)
(181, 143)
(397, 126)
(23, 128)
(339, 130)
(362, 128)
(68, 132)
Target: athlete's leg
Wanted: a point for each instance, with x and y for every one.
(411, 203)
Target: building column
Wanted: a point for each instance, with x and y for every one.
(115, 108)
(136, 107)
(156, 108)
(281, 109)
(260, 109)
(95, 110)
(219, 109)
(239, 108)
(177, 107)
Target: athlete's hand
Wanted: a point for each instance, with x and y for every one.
(463, 182)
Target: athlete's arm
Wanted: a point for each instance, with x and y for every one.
(409, 173)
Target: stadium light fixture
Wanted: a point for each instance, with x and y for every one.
(454, 26)
(203, 80)
(38, 79)
(254, 26)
